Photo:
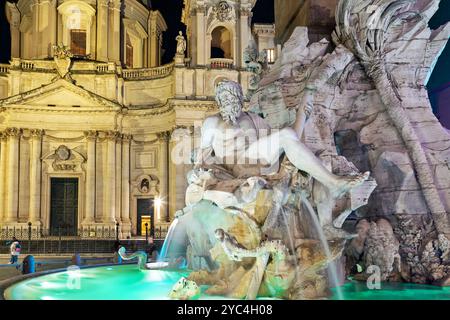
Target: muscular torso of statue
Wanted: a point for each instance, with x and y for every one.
(230, 144)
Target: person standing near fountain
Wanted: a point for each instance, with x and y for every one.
(15, 249)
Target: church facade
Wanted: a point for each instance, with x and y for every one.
(88, 137)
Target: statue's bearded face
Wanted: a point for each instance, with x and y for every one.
(230, 106)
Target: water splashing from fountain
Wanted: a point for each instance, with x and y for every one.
(326, 247)
(289, 234)
(168, 241)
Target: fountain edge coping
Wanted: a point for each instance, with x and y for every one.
(5, 284)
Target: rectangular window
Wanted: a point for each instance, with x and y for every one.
(270, 55)
(129, 57)
(78, 42)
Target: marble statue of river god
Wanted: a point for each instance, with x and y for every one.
(238, 144)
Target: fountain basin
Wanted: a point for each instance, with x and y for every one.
(115, 282)
(127, 282)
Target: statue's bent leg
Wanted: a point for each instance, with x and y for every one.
(270, 147)
(306, 161)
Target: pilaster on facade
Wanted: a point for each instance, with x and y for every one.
(91, 139)
(164, 138)
(109, 189)
(3, 168)
(125, 189)
(35, 175)
(12, 175)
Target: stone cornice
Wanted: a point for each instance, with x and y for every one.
(261, 29)
(58, 109)
(193, 105)
(157, 111)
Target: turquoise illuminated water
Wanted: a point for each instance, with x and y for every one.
(127, 282)
(124, 282)
(393, 291)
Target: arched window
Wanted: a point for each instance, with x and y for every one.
(221, 43)
(75, 19)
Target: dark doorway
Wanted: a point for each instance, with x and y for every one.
(64, 206)
(145, 214)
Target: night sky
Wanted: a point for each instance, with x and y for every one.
(263, 12)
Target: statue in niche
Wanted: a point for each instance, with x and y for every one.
(181, 44)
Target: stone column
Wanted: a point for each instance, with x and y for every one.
(89, 214)
(12, 175)
(172, 177)
(47, 27)
(109, 186)
(181, 142)
(152, 42)
(160, 45)
(118, 175)
(102, 30)
(36, 35)
(2, 173)
(244, 36)
(164, 175)
(126, 178)
(114, 32)
(201, 32)
(125, 210)
(35, 176)
(13, 16)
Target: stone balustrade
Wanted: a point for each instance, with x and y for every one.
(219, 63)
(90, 67)
(4, 68)
(148, 73)
(27, 65)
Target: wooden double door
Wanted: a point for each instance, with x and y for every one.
(64, 206)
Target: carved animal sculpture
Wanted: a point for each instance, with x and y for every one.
(236, 252)
(141, 255)
(185, 290)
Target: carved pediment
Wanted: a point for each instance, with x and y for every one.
(60, 93)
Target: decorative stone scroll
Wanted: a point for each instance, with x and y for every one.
(64, 159)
